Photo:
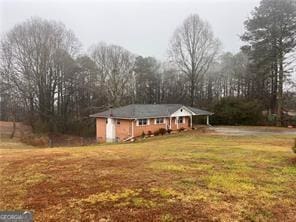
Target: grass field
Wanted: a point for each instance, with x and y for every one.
(184, 177)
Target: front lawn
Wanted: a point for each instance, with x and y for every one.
(184, 177)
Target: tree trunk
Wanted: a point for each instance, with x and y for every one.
(280, 92)
(192, 91)
(13, 128)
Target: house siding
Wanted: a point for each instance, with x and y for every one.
(185, 125)
(124, 129)
(151, 127)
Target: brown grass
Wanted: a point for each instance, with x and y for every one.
(183, 177)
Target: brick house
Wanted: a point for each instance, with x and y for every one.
(127, 122)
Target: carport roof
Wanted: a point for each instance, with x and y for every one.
(139, 111)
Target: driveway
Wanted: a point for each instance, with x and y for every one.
(252, 130)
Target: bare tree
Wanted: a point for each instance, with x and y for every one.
(31, 55)
(148, 80)
(193, 48)
(115, 71)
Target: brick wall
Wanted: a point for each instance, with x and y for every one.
(151, 127)
(185, 125)
(101, 129)
(123, 129)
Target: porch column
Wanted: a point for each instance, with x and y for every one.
(170, 122)
(208, 120)
(191, 124)
(177, 118)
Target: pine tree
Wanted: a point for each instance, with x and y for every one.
(271, 35)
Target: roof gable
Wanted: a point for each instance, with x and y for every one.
(182, 111)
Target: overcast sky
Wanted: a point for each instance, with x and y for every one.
(143, 27)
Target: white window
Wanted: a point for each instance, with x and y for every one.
(143, 122)
(159, 120)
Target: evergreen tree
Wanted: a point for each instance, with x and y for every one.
(271, 35)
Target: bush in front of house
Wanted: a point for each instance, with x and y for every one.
(237, 111)
(162, 131)
(181, 129)
(143, 134)
(156, 133)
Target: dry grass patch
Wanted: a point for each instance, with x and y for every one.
(179, 177)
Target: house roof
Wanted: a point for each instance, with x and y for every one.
(138, 111)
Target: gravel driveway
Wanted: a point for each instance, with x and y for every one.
(250, 130)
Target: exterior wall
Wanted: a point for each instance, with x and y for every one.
(185, 124)
(138, 130)
(124, 129)
(101, 129)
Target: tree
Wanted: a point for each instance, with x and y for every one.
(237, 111)
(32, 61)
(148, 80)
(115, 72)
(193, 48)
(271, 35)
(174, 86)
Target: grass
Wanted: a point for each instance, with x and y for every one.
(185, 177)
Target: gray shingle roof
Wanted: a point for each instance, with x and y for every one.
(138, 111)
(199, 112)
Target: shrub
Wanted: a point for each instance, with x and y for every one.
(35, 140)
(237, 111)
(149, 133)
(156, 133)
(162, 131)
(181, 129)
(143, 134)
(169, 131)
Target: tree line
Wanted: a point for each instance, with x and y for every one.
(49, 83)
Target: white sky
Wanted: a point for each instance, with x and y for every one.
(143, 27)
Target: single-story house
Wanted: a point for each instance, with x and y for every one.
(126, 122)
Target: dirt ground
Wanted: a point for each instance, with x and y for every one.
(190, 176)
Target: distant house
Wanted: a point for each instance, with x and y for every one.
(123, 123)
(290, 113)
